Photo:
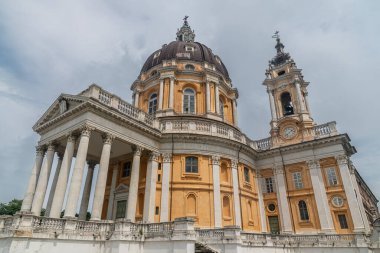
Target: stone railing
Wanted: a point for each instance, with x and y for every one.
(325, 130)
(109, 99)
(263, 144)
(204, 127)
(47, 224)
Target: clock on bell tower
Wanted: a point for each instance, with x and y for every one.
(291, 120)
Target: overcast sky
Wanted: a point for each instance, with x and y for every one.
(51, 47)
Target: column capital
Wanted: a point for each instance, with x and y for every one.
(40, 150)
(108, 138)
(51, 146)
(71, 137)
(313, 164)
(278, 169)
(215, 159)
(153, 156)
(234, 164)
(342, 159)
(137, 150)
(91, 164)
(86, 130)
(167, 157)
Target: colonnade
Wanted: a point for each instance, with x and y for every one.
(38, 181)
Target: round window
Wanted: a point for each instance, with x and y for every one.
(271, 207)
(337, 201)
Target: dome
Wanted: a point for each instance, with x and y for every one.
(184, 48)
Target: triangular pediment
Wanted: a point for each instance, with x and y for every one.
(121, 188)
(62, 105)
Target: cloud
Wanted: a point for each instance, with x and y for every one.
(47, 48)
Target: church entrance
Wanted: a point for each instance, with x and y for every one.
(273, 224)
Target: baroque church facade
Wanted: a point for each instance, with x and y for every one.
(176, 174)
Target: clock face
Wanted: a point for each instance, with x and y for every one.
(289, 132)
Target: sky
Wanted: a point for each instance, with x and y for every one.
(53, 47)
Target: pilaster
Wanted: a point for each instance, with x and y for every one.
(216, 183)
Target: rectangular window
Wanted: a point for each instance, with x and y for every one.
(342, 221)
(246, 175)
(158, 178)
(159, 166)
(191, 164)
(297, 179)
(269, 185)
(157, 210)
(331, 176)
(126, 169)
(120, 209)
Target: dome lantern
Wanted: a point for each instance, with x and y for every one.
(185, 33)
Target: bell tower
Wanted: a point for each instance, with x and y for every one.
(291, 120)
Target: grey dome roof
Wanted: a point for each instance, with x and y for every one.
(176, 50)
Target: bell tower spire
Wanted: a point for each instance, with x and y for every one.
(287, 92)
(185, 33)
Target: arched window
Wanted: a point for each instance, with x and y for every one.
(287, 105)
(221, 108)
(224, 173)
(304, 214)
(191, 205)
(189, 67)
(191, 164)
(226, 207)
(189, 101)
(152, 103)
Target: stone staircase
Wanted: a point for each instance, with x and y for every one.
(204, 248)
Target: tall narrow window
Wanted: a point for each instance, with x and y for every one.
(126, 169)
(342, 221)
(304, 214)
(152, 103)
(331, 175)
(269, 185)
(191, 164)
(226, 207)
(221, 108)
(246, 175)
(287, 105)
(297, 179)
(188, 101)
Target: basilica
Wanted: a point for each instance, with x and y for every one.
(174, 172)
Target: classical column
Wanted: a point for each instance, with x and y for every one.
(216, 183)
(282, 199)
(299, 96)
(217, 98)
(208, 108)
(167, 160)
(53, 185)
(359, 199)
(87, 190)
(77, 177)
(234, 104)
(28, 198)
(150, 188)
(134, 184)
(319, 190)
(349, 189)
(111, 196)
(263, 220)
(272, 105)
(43, 179)
(307, 103)
(59, 194)
(161, 94)
(235, 184)
(171, 93)
(136, 100)
(101, 180)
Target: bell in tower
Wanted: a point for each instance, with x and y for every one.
(287, 96)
